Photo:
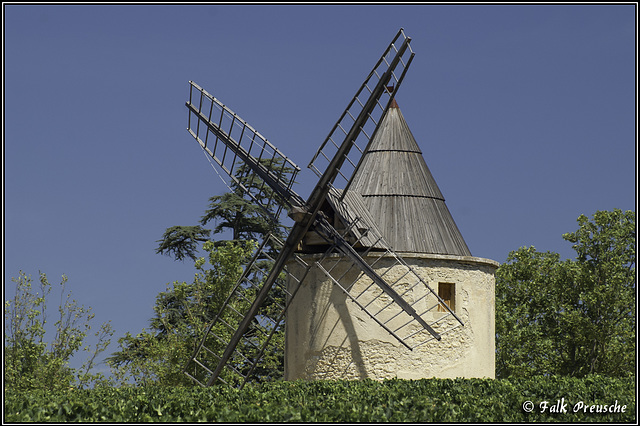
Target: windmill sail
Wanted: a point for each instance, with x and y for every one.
(360, 119)
(233, 144)
(206, 364)
(239, 150)
(391, 304)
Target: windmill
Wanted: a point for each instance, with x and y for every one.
(332, 234)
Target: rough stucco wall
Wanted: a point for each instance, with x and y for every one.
(328, 336)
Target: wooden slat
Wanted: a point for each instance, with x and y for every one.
(396, 187)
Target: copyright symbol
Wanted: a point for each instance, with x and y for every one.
(528, 406)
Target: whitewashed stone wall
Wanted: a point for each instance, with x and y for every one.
(329, 337)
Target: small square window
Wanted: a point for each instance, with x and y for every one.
(447, 292)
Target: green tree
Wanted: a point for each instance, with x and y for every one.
(183, 312)
(182, 241)
(30, 362)
(571, 317)
(181, 315)
(231, 212)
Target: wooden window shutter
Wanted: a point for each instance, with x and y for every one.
(447, 292)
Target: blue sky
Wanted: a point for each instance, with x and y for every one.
(525, 115)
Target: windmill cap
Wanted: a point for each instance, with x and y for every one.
(401, 194)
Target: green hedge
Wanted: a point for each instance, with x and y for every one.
(433, 400)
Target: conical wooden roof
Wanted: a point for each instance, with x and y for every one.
(401, 195)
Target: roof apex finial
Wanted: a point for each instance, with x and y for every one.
(390, 90)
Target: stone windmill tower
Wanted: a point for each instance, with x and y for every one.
(379, 281)
(328, 337)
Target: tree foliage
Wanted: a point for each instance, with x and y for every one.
(30, 360)
(246, 220)
(182, 241)
(181, 314)
(232, 212)
(571, 317)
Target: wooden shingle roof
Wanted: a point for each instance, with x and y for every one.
(402, 196)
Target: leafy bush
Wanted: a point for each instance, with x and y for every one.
(427, 400)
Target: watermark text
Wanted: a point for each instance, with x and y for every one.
(561, 406)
